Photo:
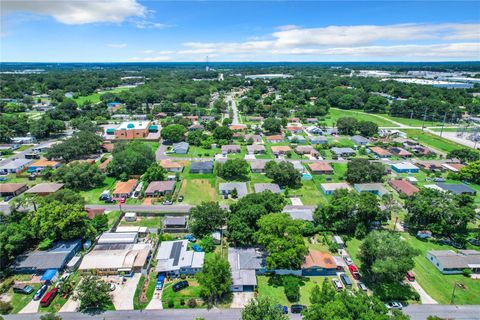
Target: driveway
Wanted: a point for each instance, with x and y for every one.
(296, 201)
(71, 305)
(241, 299)
(31, 307)
(122, 296)
(156, 302)
(424, 297)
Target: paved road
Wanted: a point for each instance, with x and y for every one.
(21, 154)
(421, 312)
(142, 208)
(231, 98)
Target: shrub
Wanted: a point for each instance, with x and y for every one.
(6, 285)
(182, 302)
(467, 272)
(291, 286)
(45, 244)
(183, 276)
(171, 303)
(5, 307)
(192, 303)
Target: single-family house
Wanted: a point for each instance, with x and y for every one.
(171, 166)
(255, 119)
(277, 150)
(311, 120)
(314, 130)
(297, 139)
(375, 188)
(318, 140)
(237, 127)
(404, 187)
(231, 148)
(174, 223)
(405, 167)
(300, 212)
(124, 189)
(329, 188)
(245, 264)
(160, 188)
(257, 166)
(44, 189)
(191, 118)
(202, 167)
(180, 147)
(42, 164)
(254, 138)
(256, 148)
(307, 150)
(319, 263)
(343, 152)
(457, 188)
(320, 168)
(103, 166)
(260, 187)
(380, 152)
(227, 188)
(421, 150)
(275, 138)
(207, 118)
(23, 140)
(451, 262)
(196, 127)
(429, 165)
(12, 189)
(400, 152)
(15, 166)
(174, 259)
(454, 167)
(293, 119)
(294, 129)
(360, 141)
(118, 238)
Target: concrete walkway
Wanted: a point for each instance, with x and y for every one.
(241, 299)
(31, 307)
(122, 296)
(424, 297)
(71, 305)
(156, 302)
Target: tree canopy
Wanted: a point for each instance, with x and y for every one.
(174, 133)
(79, 176)
(234, 169)
(283, 173)
(206, 218)
(215, 278)
(262, 309)
(131, 158)
(93, 293)
(364, 171)
(80, 145)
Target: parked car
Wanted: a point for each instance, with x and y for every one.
(348, 260)
(112, 287)
(197, 248)
(284, 309)
(109, 200)
(190, 238)
(123, 200)
(337, 284)
(346, 280)
(7, 198)
(160, 282)
(297, 308)
(394, 305)
(362, 286)
(180, 198)
(48, 298)
(354, 271)
(22, 288)
(167, 203)
(439, 180)
(180, 285)
(410, 276)
(40, 292)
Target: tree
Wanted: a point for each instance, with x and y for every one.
(206, 218)
(471, 172)
(385, 257)
(323, 295)
(154, 173)
(79, 176)
(100, 223)
(280, 235)
(93, 293)
(272, 125)
(131, 158)
(363, 171)
(215, 278)
(16, 235)
(347, 125)
(376, 104)
(283, 173)
(207, 244)
(196, 137)
(80, 145)
(234, 169)
(65, 196)
(223, 133)
(262, 309)
(367, 128)
(464, 155)
(174, 133)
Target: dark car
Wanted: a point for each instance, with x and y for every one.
(297, 308)
(109, 200)
(180, 285)
(180, 199)
(40, 292)
(7, 198)
(22, 288)
(346, 280)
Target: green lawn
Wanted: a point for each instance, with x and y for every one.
(191, 292)
(113, 217)
(140, 305)
(195, 191)
(149, 222)
(95, 97)
(433, 141)
(309, 193)
(19, 301)
(197, 152)
(92, 196)
(334, 114)
(412, 122)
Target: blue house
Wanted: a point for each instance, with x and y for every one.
(375, 188)
(319, 264)
(405, 167)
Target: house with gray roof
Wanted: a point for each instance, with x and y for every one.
(227, 188)
(180, 147)
(174, 259)
(255, 138)
(451, 262)
(318, 140)
(258, 166)
(297, 139)
(375, 188)
(245, 264)
(15, 166)
(360, 141)
(456, 188)
(343, 152)
(231, 148)
(260, 187)
(160, 188)
(300, 212)
(256, 148)
(175, 223)
(201, 167)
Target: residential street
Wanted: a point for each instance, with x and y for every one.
(184, 208)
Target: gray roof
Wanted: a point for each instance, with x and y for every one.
(243, 263)
(202, 165)
(314, 139)
(15, 164)
(342, 150)
(229, 186)
(175, 220)
(460, 260)
(180, 145)
(456, 188)
(45, 188)
(257, 164)
(300, 212)
(360, 140)
(255, 147)
(160, 186)
(260, 187)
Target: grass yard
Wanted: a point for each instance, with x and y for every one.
(191, 292)
(95, 97)
(149, 222)
(197, 152)
(92, 196)
(433, 141)
(19, 301)
(196, 191)
(412, 122)
(140, 305)
(309, 193)
(334, 114)
(113, 217)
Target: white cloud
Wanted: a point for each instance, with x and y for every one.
(117, 45)
(78, 11)
(144, 24)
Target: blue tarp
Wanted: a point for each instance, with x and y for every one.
(49, 275)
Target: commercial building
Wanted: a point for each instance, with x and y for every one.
(174, 259)
(132, 130)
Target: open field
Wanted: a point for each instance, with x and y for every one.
(196, 191)
(431, 140)
(334, 114)
(95, 97)
(412, 122)
(142, 221)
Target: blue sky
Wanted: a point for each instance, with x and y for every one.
(133, 30)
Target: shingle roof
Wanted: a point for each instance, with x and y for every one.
(260, 187)
(320, 166)
(404, 186)
(380, 151)
(125, 186)
(44, 163)
(201, 165)
(45, 188)
(160, 186)
(11, 187)
(15, 164)
(456, 188)
(316, 258)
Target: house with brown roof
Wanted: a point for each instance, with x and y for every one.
(404, 187)
(160, 188)
(237, 127)
(280, 149)
(124, 189)
(171, 166)
(258, 166)
(380, 152)
(293, 119)
(255, 138)
(294, 129)
(103, 166)
(108, 147)
(42, 164)
(12, 189)
(320, 168)
(307, 150)
(275, 138)
(454, 167)
(44, 189)
(400, 152)
(319, 264)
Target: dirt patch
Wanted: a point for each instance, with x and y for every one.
(148, 201)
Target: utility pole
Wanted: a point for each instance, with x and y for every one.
(424, 118)
(455, 284)
(443, 123)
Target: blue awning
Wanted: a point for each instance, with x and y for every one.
(49, 275)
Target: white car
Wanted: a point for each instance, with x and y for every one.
(337, 284)
(394, 305)
(348, 260)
